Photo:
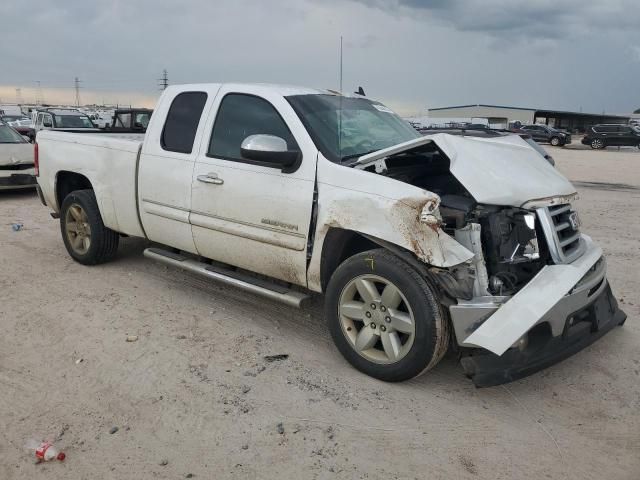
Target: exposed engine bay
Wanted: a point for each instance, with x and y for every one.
(505, 239)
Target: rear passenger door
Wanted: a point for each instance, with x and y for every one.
(166, 166)
(627, 136)
(248, 214)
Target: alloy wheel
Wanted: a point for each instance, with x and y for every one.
(376, 319)
(77, 229)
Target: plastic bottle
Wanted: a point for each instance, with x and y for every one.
(45, 451)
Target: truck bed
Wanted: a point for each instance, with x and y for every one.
(108, 161)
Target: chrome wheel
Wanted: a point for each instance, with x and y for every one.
(555, 141)
(597, 143)
(376, 319)
(77, 229)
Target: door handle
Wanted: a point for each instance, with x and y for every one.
(210, 178)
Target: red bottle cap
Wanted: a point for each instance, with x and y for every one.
(61, 456)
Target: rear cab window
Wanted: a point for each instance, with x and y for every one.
(182, 121)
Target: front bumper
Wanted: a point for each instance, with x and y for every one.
(507, 329)
(581, 328)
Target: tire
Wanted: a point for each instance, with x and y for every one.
(79, 219)
(597, 143)
(417, 352)
(555, 141)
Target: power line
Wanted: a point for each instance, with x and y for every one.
(76, 84)
(163, 82)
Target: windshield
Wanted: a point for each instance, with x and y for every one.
(343, 127)
(73, 121)
(13, 118)
(9, 135)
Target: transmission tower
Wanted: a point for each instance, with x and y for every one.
(19, 96)
(39, 96)
(163, 82)
(77, 83)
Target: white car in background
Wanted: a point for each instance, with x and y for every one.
(16, 160)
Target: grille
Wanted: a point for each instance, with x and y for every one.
(562, 231)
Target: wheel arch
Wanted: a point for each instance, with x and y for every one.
(67, 182)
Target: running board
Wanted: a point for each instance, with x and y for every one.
(229, 277)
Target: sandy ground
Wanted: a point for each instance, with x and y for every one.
(194, 395)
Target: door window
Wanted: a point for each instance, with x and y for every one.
(182, 122)
(240, 116)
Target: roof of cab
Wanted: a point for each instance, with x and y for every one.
(284, 90)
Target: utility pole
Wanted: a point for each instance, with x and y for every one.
(19, 96)
(76, 83)
(163, 82)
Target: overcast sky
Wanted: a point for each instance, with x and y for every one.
(410, 54)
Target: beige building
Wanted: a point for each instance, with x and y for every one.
(498, 116)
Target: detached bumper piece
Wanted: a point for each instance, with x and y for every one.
(582, 328)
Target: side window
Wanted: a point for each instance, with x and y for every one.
(625, 130)
(242, 115)
(39, 120)
(182, 122)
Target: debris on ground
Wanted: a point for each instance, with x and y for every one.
(80, 360)
(113, 430)
(246, 389)
(45, 451)
(132, 338)
(245, 447)
(280, 428)
(164, 462)
(16, 226)
(276, 358)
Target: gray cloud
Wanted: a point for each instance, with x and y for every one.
(520, 19)
(410, 54)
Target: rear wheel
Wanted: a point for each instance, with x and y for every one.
(86, 238)
(597, 143)
(384, 317)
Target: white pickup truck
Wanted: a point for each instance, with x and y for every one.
(418, 243)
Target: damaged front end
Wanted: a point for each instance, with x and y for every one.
(535, 290)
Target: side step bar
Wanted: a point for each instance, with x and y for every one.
(228, 277)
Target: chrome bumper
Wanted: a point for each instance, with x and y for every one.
(557, 291)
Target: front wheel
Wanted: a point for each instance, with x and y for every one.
(597, 144)
(385, 317)
(555, 141)
(86, 238)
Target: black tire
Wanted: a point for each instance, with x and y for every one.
(432, 331)
(104, 241)
(597, 144)
(556, 141)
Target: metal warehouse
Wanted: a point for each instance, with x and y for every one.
(500, 116)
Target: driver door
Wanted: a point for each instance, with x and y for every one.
(244, 213)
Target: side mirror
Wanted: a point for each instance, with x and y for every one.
(269, 149)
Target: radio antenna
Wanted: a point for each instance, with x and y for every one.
(340, 109)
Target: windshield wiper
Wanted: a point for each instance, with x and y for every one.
(356, 155)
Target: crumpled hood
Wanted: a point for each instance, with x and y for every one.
(16, 153)
(502, 171)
